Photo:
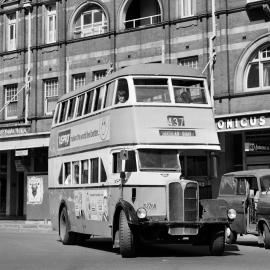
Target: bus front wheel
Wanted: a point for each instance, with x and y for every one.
(266, 236)
(217, 243)
(126, 237)
(66, 237)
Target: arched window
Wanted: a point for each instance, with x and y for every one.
(258, 70)
(138, 13)
(90, 20)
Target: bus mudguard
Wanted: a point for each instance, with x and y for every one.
(213, 210)
(129, 211)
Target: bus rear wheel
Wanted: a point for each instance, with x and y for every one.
(217, 243)
(126, 237)
(66, 237)
(266, 237)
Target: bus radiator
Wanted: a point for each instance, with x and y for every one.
(183, 202)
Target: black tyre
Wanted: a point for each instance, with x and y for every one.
(217, 243)
(231, 239)
(67, 237)
(266, 237)
(126, 238)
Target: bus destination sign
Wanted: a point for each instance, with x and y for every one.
(177, 132)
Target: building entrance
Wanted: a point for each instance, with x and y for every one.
(3, 183)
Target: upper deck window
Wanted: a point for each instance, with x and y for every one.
(109, 94)
(100, 94)
(122, 93)
(89, 102)
(159, 160)
(152, 90)
(71, 108)
(189, 91)
(63, 111)
(80, 105)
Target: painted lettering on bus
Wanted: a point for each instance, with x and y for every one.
(64, 138)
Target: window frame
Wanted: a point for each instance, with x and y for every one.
(11, 87)
(11, 44)
(51, 14)
(92, 28)
(52, 97)
(191, 61)
(186, 8)
(81, 78)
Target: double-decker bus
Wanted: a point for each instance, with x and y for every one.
(114, 160)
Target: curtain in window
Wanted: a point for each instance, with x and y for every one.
(266, 74)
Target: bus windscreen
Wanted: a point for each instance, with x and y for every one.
(159, 159)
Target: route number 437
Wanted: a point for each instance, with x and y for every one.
(175, 121)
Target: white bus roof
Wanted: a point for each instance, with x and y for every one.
(141, 69)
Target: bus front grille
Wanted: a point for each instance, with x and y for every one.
(183, 202)
(190, 202)
(175, 202)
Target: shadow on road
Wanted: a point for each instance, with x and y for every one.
(160, 250)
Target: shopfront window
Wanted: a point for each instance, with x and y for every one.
(257, 150)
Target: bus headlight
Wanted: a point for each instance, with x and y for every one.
(141, 213)
(231, 214)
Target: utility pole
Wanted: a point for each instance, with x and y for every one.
(27, 5)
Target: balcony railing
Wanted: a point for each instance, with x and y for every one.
(134, 23)
(91, 29)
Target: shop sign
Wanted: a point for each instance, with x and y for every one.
(10, 131)
(21, 153)
(243, 122)
(254, 147)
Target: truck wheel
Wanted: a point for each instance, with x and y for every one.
(67, 237)
(217, 243)
(266, 237)
(231, 239)
(126, 237)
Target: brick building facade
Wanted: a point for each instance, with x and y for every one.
(73, 42)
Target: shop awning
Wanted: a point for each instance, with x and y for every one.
(24, 142)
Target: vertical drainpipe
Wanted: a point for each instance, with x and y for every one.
(27, 5)
(212, 52)
(114, 35)
(64, 43)
(169, 31)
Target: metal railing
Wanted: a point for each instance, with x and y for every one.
(142, 21)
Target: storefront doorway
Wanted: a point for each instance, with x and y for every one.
(3, 183)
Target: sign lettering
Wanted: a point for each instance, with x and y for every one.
(244, 122)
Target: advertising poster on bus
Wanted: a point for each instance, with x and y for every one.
(93, 203)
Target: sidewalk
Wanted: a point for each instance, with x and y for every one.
(26, 225)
